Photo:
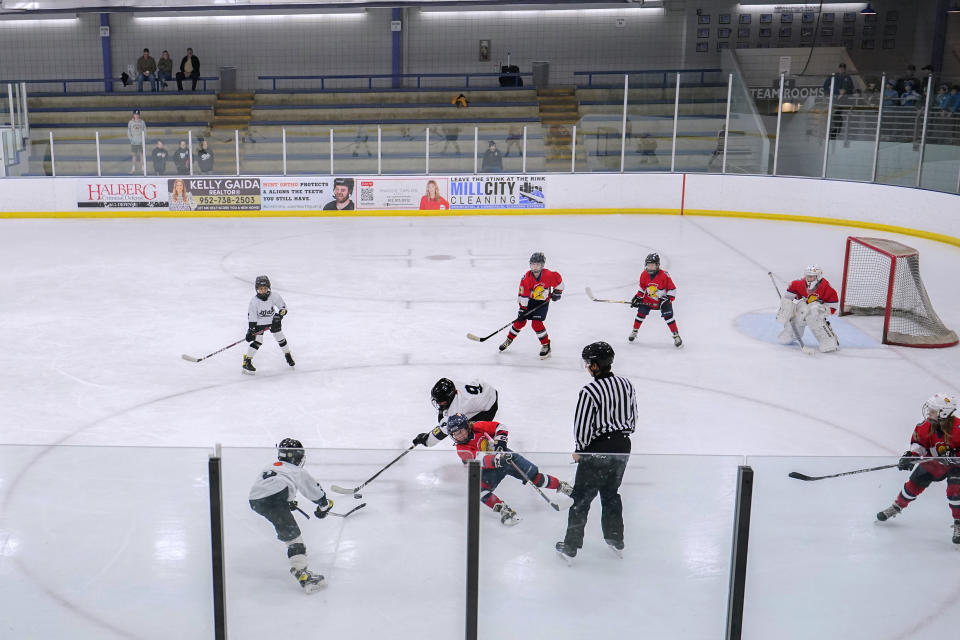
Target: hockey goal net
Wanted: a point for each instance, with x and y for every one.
(882, 277)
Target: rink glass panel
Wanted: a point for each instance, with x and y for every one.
(105, 542)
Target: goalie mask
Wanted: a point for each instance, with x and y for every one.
(939, 406)
(290, 450)
(812, 274)
(458, 426)
(259, 283)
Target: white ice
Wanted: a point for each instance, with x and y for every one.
(111, 539)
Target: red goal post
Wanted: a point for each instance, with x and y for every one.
(882, 277)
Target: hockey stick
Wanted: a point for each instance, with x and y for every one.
(344, 515)
(523, 317)
(356, 489)
(229, 346)
(800, 476)
(595, 299)
(807, 350)
(530, 482)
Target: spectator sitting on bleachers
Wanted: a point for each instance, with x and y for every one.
(460, 102)
(890, 95)
(514, 136)
(942, 98)
(189, 68)
(492, 159)
(146, 70)
(909, 97)
(159, 154)
(451, 136)
(204, 157)
(164, 70)
(136, 134)
(181, 159)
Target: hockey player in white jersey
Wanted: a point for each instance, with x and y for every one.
(266, 311)
(477, 400)
(272, 496)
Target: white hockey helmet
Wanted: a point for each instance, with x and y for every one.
(942, 404)
(812, 271)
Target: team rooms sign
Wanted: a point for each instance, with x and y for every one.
(498, 192)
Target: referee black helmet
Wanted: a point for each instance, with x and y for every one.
(599, 353)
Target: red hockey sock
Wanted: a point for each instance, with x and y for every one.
(636, 324)
(491, 500)
(672, 326)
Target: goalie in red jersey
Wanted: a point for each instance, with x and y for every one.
(655, 291)
(537, 288)
(808, 303)
(486, 440)
(938, 438)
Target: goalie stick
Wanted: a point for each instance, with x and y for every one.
(229, 346)
(530, 482)
(356, 489)
(596, 299)
(807, 350)
(526, 315)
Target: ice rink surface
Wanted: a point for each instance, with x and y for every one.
(111, 539)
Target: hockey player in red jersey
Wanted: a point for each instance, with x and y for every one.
(808, 303)
(537, 288)
(655, 291)
(937, 437)
(487, 440)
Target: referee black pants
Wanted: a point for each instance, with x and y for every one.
(601, 474)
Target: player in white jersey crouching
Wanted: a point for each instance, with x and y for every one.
(266, 312)
(477, 400)
(808, 303)
(272, 496)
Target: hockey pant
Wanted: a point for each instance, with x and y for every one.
(795, 314)
(276, 509)
(597, 474)
(490, 479)
(666, 312)
(536, 321)
(258, 340)
(927, 473)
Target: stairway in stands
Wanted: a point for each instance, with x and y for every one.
(559, 111)
(232, 111)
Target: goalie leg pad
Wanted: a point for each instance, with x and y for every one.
(823, 332)
(790, 332)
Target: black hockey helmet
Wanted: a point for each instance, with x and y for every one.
(262, 281)
(538, 258)
(442, 393)
(652, 258)
(459, 422)
(291, 450)
(599, 353)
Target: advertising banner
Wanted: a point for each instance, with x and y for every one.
(404, 193)
(498, 192)
(214, 194)
(295, 193)
(132, 193)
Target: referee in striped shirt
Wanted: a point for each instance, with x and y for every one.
(606, 416)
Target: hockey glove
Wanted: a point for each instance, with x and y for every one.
(421, 439)
(323, 509)
(275, 324)
(637, 299)
(556, 295)
(907, 461)
(502, 459)
(250, 332)
(521, 312)
(292, 504)
(500, 442)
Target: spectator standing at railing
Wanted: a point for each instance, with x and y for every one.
(492, 158)
(181, 159)
(910, 76)
(890, 94)
(909, 97)
(159, 154)
(841, 80)
(189, 68)
(953, 100)
(164, 70)
(204, 157)
(136, 133)
(146, 70)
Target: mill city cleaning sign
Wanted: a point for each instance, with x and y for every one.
(498, 192)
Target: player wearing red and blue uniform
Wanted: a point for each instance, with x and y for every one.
(655, 291)
(486, 440)
(937, 438)
(537, 288)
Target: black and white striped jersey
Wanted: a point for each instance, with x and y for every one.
(605, 406)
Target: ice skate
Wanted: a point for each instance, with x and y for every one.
(289, 358)
(565, 553)
(677, 340)
(632, 336)
(616, 546)
(506, 343)
(545, 351)
(508, 517)
(311, 582)
(956, 531)
(248, 367)
(889, 512)
(565, 488)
